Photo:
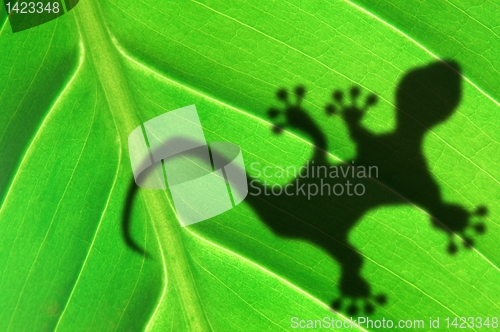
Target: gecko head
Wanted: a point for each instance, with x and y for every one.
(428, 95)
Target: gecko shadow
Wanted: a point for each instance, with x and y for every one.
(425, 97)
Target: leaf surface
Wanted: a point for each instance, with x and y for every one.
(73, 89)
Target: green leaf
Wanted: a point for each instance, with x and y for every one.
(74, 88)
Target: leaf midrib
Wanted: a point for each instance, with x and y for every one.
(107, 66)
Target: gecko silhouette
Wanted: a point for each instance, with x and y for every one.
(425, 97)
